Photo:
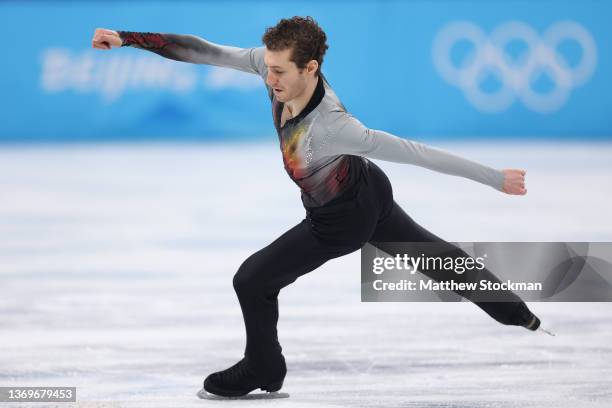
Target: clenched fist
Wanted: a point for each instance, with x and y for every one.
(104, 39)
(514, 181)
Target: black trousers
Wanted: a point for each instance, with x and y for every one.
(366, 213)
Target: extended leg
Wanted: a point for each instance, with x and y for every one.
(399, 227)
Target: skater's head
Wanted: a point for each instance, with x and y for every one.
(294, 54)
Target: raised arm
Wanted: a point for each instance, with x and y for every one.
(186, 48)
(349, 136)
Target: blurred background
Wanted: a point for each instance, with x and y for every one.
(132, 188)
(425, 69)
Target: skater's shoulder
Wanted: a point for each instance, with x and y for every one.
(333, 114)
(331, 108)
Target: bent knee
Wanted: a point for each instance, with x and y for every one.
(249, 278)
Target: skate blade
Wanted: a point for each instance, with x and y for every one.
(546, 331)
(203, 394)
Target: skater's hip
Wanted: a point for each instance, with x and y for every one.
(351, 218)
(370, 182)
(366, 178)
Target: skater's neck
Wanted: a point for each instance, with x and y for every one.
(299, 103)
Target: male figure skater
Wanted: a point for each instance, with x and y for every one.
(348, 199)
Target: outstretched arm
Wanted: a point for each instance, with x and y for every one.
(349, 136)
(186, 48)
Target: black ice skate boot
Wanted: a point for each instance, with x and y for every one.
(513, 314)
(524, 317)
(240, 379)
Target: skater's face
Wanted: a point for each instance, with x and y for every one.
(284, 77)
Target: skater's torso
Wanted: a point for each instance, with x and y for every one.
(320, 171)
(320, 174)
(324, 148)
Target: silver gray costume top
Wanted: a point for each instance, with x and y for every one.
(324, 145)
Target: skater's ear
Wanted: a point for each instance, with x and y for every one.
(312, 67)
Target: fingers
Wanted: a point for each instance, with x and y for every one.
(519, 191)
(100, 45)
(102, 35)
(103, 38)
(515, 171)
(98, 34)
(101, 31)
(514, 182)
(515, 189)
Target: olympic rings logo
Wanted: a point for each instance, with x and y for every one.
(515, 76)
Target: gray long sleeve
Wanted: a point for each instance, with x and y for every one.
(349, 136)
(193, 49)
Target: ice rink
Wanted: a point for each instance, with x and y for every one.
(116, 266)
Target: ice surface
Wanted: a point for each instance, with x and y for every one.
(116, 266)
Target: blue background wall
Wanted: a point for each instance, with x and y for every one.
(380, 62)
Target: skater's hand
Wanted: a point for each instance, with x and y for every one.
(104, 39)
(514, 181)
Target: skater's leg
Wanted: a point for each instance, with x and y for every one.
(397, 226)
(263, 274)
(330, 231)
(258, 283)
(335, 229)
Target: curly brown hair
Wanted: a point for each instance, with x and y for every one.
(303, 35)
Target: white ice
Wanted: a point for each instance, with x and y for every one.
(116, 265)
